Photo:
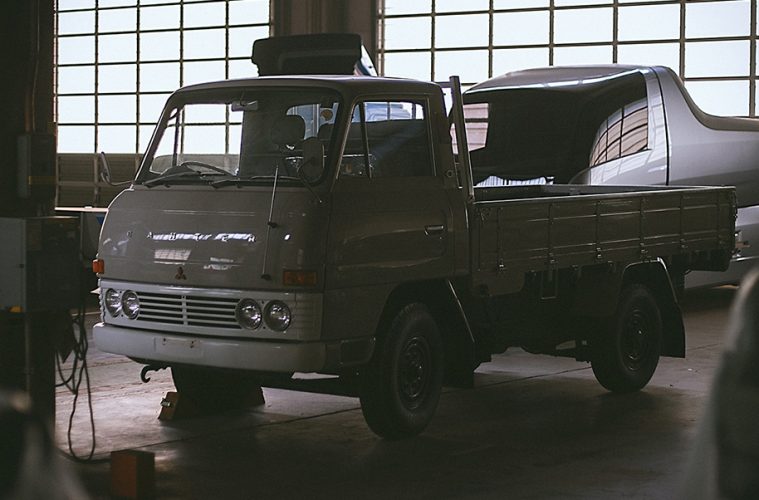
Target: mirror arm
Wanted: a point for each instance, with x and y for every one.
(105, 172)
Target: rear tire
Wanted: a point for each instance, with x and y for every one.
(626, 352)
(215, 389)
(400, 387)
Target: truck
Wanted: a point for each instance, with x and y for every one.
(284, 225)
(615, 125)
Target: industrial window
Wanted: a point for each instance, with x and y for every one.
(710, 44)
(118, 60)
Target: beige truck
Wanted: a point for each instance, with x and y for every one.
(323, 224)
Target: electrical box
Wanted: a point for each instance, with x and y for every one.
(40, 266)
(36, 166)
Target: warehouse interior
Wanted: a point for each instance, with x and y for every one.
(91, 76)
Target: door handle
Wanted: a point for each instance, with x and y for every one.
(434, 229)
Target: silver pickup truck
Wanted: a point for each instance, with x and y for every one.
(615, 125)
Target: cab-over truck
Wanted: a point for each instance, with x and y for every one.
(323, 224)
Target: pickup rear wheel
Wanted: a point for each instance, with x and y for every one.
(626, 352)
(214, 389)
(400, 387)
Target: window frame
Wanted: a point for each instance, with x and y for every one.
(422, 101)
(682, 39)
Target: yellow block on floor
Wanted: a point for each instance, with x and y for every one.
(132, 474)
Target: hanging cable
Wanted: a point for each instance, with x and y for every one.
(79, 373)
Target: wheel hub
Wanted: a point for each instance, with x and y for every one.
(414, 371)
(636, 340)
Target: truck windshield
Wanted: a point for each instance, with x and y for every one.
(243, 136)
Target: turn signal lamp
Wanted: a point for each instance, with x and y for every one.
(98, 266)
(299, 278)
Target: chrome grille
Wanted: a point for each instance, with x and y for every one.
(188, 310)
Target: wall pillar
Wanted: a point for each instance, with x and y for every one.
(26, 46)
(300, 17)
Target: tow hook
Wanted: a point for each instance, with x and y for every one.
(150, 368)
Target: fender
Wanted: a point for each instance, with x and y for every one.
(441, 298)
(598, 290)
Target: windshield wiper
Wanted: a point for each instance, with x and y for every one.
(240, 180)
(161, 179)
(255, 178)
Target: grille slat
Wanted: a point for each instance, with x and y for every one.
(196, 314)
(223, 310)
(216, 303)
(188, 310)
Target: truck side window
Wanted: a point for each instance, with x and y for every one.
(397, 136)
(623, 133)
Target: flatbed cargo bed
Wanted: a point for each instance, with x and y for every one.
(522, 229)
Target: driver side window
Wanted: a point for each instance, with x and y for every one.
(392, 137)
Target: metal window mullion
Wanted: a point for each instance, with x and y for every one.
(382, 42)
(615, 33)
(433, 31)
(181, 43)
(491, 35)
(681, 41)
(137, 87)
(551, 29)
(226, 75)
(180, 117)
(752, 63)
(95, 183)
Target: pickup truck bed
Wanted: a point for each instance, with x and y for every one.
(522, 229)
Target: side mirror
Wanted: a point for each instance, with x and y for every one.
(312, 166)
(105, 172)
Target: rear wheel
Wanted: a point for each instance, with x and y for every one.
(626, 352)
(400, 387)
(214, 389)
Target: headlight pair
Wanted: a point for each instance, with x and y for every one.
(276, 314)
(121, 302)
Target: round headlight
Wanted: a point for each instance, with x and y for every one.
(278, 315)
(130, 304)
(248, 314)
(112, 301)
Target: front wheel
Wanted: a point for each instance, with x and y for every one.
(401, 385)
(626, 352)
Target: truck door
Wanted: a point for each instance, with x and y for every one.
(391, 216)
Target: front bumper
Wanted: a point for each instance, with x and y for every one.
(243, 354)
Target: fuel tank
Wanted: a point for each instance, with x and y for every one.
(205, 237)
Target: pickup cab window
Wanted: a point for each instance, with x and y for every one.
(238, 136)
(392, 137)
(623, 133)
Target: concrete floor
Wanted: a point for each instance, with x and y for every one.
(533, 427)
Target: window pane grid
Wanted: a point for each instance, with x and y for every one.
(123, 66)
(555, 32)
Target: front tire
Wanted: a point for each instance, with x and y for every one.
(626, 352)
(401, 385)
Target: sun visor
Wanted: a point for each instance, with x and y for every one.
(317, 54)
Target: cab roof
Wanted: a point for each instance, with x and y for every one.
(558, 76)
(341, 83)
